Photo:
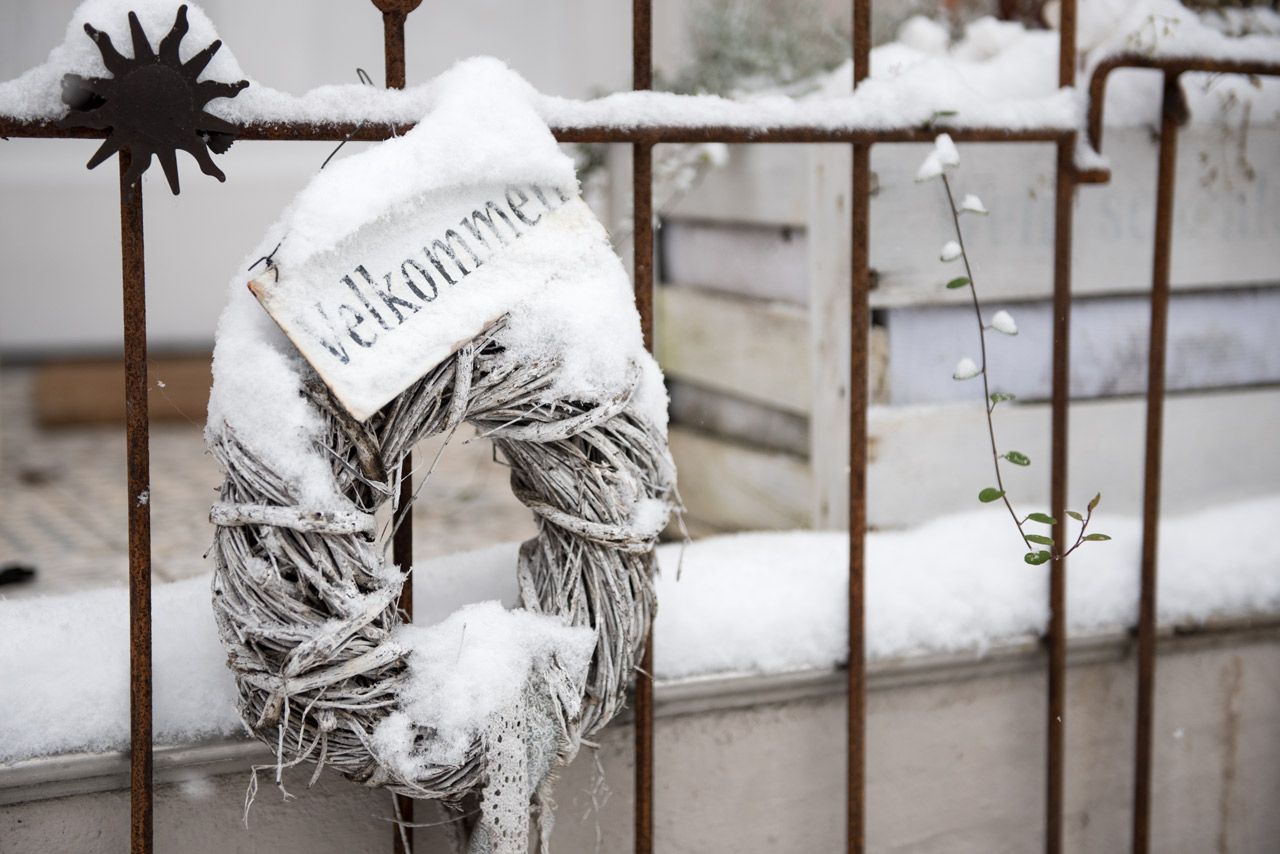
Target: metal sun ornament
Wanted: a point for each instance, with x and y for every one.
(153, 104)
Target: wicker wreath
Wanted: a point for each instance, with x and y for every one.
(306, 606)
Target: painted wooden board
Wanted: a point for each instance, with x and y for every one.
(1216, 340)
(753, 349)
(377, 312)
(928, 461)
(830, 305)
(1225, 225)
(1225, 231)
(761, 352)
(731, 487)
(736, 419)
(761, 184)
(1218, 447)
(762, 261)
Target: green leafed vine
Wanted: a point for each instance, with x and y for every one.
(1041, 548)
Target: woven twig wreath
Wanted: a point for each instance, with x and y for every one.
(306, 606)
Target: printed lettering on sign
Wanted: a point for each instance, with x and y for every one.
(379, 311)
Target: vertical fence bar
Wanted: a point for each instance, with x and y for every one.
(1056, 640)
(859, 319)
(642, 174)
(1151, 487)
(393, 47)
(137, 427)
(402, 556)
(859, 330)
(642, 245)
(402, 540)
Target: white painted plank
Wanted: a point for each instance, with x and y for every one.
(760, 261)
(929, 461)
(1225, 227)
(1221, 339)
(730, 487)
(763, 184)
(736, 419)
(830, 304)
(749, 348)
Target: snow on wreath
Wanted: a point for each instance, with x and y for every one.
(447, 276)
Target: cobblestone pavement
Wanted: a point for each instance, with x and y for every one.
(62, 499)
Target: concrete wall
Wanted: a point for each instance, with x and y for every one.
(955, 765)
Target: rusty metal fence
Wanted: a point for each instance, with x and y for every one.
(642, 140)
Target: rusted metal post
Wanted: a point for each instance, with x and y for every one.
(1172, 109)
(859, 319)
(642, 245)
(642, 189)
(859, 330)
(394, 13)
(393, 47)
(1056, 640)
(133, 271)
(402, 555)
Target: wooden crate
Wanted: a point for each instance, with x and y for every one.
(752, 330)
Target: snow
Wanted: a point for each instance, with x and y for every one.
(1166, 28)
(915, 96)
(466, 669)
(998, 74)
(568, 302)
(748, 603)
(942, 155)
(924, 35)
(568, 296)
(483, 151)
(36, 94)
(950, 251)
(972, 204)
(1003, 322)
(966, 369)
(479, 129)
(64, 665)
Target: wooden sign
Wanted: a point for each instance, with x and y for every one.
(377, 312)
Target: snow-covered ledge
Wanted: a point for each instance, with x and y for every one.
(755, 762)
(750, 639)
(84, 772)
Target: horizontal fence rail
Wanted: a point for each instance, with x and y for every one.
(650, 134)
